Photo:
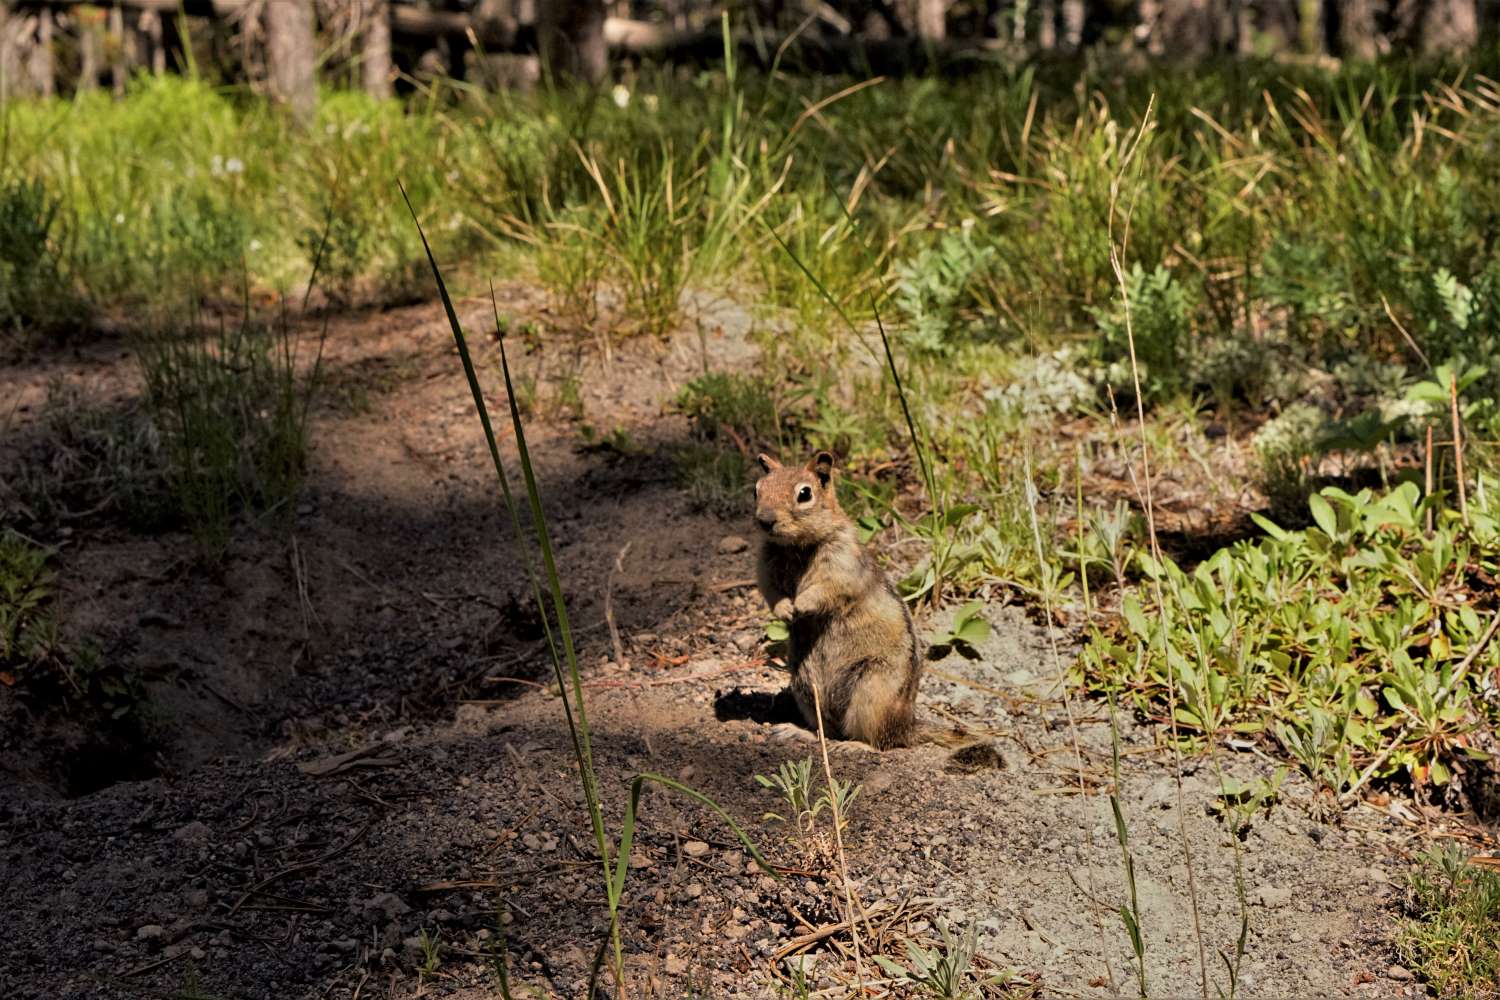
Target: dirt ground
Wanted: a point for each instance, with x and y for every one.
(357, 754)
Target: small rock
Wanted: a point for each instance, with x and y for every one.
(676, 966)
(746, 641)
(695, 848)
(531, 842)
(345, 945)
(412, 946)
(197, 898)
(102, 945)
(1273, 895)
(190, 833)
(151, 933)
(805, 965)
(1295, 937)
(484, 934)
(441, 916)
(385, 904)
(1400, 973)
(197, 954)
(731, 544)
(693, 890)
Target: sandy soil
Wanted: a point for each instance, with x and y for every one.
(356, 746)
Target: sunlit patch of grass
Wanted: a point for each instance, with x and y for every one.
(1451, 937)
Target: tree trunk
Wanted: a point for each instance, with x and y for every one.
(10, 52)
(1046, 24)
(40, 66)
(1351, 28)
(290, 52)
(120, 51)
(1074, 15)
(1446, 26)
(932, 20)
(90, 48)
(156, 48)
(375, 18)
(570, 35)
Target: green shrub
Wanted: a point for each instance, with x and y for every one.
(1161, 321)
(35, 291)
(935, 291)
(1339, 640)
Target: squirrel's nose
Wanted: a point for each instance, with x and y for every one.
(766, 521)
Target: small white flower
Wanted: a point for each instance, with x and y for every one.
(254, 245)
(234, 165)
(119, 218)
(967, 224)
(652, 102)
(621, 96)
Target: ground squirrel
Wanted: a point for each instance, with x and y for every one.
(851, 635)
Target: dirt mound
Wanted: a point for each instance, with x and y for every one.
(363, 785)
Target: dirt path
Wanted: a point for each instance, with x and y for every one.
(259, 862)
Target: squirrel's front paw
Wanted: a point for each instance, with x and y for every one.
(784, 609)
(808, 602)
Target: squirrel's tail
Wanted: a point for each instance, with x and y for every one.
(971, 752)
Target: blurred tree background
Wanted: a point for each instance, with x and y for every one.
(283, 47)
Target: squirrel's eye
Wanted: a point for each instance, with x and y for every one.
(804, 494)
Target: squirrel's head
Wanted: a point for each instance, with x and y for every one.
(797, 505)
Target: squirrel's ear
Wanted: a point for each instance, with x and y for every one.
(822, 464)
(767, 463)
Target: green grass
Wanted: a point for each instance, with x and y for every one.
(1452, 935)
(231, 408)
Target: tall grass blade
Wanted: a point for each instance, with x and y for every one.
(578, 729)
(1131, 914)
(614, 880)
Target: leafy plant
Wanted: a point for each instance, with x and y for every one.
(933, 288)
(795, 782)
(27, 583)
(968, 629)
(1287, 448)
(944, 972)
(1356, 637)
(1239, 801)
(1161, 315)
(35, 657)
